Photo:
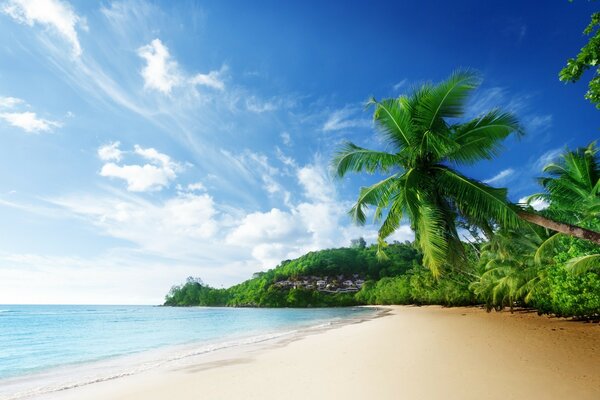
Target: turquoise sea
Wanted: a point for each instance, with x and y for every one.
(47, 348)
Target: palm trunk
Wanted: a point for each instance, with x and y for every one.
(561, 227)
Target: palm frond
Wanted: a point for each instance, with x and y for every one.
(481, 138)
(394, 122)
(376, 195)
(546, 248)
(352, 158)
(431, 237)
(393, 218)
(476, 199)
(579, 265)
(447, 99)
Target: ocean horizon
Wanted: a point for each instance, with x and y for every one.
(48, 348)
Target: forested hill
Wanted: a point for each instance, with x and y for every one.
(314, 279)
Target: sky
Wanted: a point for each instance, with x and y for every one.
(144, 142)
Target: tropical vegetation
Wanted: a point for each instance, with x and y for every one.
(472, 245)
(586, 59)
(427, 140)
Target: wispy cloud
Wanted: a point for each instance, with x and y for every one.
(515, 28)
(286, 138)
(55, 16)
(538, 123)
(491, 98)
(500, 176)
(10, 102)
(548, 157)
(29, 121)
(346, 118)
(214, 79)
(255, 104)
(399, 85)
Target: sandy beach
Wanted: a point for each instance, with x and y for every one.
(409, 353)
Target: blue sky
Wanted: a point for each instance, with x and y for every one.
(143, 142)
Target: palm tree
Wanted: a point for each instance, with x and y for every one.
(510, 274)
(572, 187)
(426, 141)
(572, 191)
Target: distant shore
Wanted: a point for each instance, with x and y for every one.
(409, 353)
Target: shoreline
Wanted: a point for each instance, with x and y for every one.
(61, 379)
(400, 352)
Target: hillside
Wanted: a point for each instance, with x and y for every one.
(332, 277)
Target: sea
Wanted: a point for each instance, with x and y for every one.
(49, 348)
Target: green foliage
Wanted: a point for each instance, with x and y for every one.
(567, 294)
(572, 186)
(554, 273)
(194, 292)
(419, 286)
(588, 58)
(261, 291)
(422, 132)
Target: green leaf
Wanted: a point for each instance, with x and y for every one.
(351, 158)
(579, 265)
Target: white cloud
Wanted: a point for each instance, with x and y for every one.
(140, 178)
(317, 186)
(256, 228)
(537, 204)
(160, 72)
(55, 15)
(197, 186)
(286, 160)
(343, 119)
(548, 157)
(257, 106)
(171, 228)
(152, 176)
(10, 102)
(110, 152)
(501, 176)
(400, 84)
(286, 138)
(213, 79)
(29, 121)
(402, 234)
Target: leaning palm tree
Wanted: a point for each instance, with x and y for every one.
(572, 186)
(426, 141)
(572, 192)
